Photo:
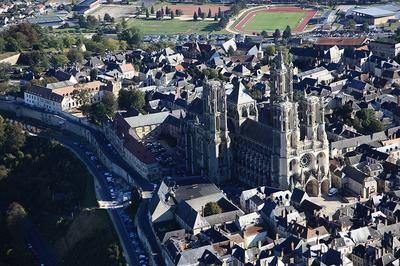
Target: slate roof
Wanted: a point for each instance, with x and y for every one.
(45, 93)
(190, 216)
(354, 174)
(239, 95)
(148, 119)
(257, 132)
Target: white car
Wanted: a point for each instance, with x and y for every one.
(332, 191)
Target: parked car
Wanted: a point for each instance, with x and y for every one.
(332, 191)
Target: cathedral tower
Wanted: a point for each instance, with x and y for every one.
(217, 141)
(299, 160)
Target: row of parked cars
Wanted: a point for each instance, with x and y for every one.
(183, 38)
(115, 191)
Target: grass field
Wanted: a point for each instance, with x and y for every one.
(269, 21)
(175, 26)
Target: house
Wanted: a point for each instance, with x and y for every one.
(64, 95)
(385, 48)
(324, 43)
(358, 182)
(127, 71)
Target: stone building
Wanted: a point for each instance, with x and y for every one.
(224, 139)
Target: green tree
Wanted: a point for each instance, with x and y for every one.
(209, 15)
(276, 34)
(350, 24)
(110, 103)
(131, 99)
(172, 15)
(152, 10)
(147, 13)
(212, 208)
(75, 56)
(60, 60)
(93, 73)
(15, 137)
(270, 50)
(107, 17)
(132, 36)
(287, 33)
(195, 17)
(98, 113)
(219, 12)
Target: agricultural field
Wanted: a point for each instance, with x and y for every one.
(175, 26)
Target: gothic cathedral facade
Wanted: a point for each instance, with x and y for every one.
(224, 140)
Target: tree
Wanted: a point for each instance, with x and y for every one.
(83, 96)
(350, 24)
(61, 60)
(15, 214)
(110, 103)
(132, 36)
(98, 113)
(366, 122)
(219, 12)
(172, 15)
(231, 51)
(216, 17)
(199, 12)
(107, 17)
(152, 10)
(212, 208)
(365, 26)
(264, 34)
(93, 73)
(75, 56)
(287, 33)
(167, 10)
(131, 99)
(209, 15)
(277, 34)
(195, 18)
(270, 50)
(110, 44)
(15, 137)
(147, 13)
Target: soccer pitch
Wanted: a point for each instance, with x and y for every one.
(270, 21)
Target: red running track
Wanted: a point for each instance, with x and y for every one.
(299, 28)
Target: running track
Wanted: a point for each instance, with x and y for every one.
(299, 28)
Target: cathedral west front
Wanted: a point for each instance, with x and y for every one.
(224, 138)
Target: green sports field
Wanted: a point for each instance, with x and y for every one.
(270, 21)
(176, 26)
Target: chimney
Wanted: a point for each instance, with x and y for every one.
(276, 236)
(292, 246)
(386, 221)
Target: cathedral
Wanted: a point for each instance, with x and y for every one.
(224, 138)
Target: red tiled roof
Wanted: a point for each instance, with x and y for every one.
(340, 41)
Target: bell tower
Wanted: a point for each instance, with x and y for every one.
(217, 141)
